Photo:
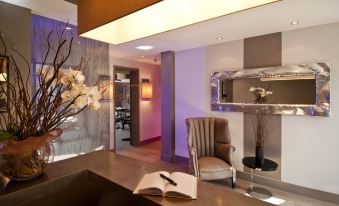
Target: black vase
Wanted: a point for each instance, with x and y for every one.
(259, 156)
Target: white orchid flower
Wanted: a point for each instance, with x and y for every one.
(66, 96)
(80, 102)
(95, 105)
(94, 94)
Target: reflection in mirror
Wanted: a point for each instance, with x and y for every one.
(4, 65)
(294, 89)
(285, 90)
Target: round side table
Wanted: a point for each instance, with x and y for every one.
(268, 165)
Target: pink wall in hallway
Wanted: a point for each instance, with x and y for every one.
(150, 111)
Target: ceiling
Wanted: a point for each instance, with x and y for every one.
(266, 19)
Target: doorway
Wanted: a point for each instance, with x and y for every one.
(126, 108)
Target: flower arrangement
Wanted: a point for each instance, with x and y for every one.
(261, 95)
(260, 127)
(32, 121)
(61, 94)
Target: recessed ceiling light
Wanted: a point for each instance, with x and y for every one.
(219, 38)
(79, 42)
(142, 56)
(294, 23)
(144, 47)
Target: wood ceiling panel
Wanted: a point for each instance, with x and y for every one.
(92, 14)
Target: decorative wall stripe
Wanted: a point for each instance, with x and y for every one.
(263, 51)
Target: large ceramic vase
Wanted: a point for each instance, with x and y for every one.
(27, 165)
(259, 156)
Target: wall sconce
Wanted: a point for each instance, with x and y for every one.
(146, 89)
(105, 88)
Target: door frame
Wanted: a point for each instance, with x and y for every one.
(134, 104)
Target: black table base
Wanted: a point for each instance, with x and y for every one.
(268, 165)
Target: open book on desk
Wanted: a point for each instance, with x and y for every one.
(153, 184)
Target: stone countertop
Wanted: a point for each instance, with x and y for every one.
(127, 173)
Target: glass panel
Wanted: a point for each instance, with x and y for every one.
(283, 91)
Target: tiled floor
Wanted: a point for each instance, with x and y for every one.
(121, 134)
(151, 153)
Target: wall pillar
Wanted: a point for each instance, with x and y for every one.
(167, 106)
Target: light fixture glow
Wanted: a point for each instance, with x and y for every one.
(142, 56)
(219, 38)
(68, 28)
(294, 23)
(158, 18)
(144, 47)
(146, 91)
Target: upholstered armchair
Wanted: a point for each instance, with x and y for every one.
(210, 149)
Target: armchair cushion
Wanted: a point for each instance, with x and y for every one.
(211, 168)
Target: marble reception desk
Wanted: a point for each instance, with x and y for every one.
(124, 172)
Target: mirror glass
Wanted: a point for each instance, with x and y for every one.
(277, 90)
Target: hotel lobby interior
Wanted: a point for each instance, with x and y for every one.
(169, 102)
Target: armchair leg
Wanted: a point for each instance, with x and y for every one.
(234, 185)
(234, 178)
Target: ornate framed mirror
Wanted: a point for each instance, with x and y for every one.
(296, 90)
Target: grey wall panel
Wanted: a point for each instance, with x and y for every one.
(167, 106)
(263, 51)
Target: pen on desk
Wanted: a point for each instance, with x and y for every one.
(168, 179)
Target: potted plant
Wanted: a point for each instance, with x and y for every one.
(32, 121)
(260, 124)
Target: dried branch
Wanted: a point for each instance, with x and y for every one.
(47, 109)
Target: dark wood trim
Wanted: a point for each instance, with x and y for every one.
(135, 108)
(93, 14)
(150, 140)
(134, 103)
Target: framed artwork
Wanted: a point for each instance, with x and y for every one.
(4, 71)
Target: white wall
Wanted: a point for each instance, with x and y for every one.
(193, 69)
(190, 92)
(150, 111)
(309, 144)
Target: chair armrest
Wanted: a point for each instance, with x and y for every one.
(193, 161)
(225, 152)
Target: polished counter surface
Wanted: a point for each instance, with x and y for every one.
(127, 173)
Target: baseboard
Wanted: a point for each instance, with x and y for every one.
(153, 139)
(166, 158)
(291, 188)
(181, 159)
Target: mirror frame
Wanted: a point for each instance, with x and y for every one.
(320, 108)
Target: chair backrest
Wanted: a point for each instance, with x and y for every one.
(205, 133)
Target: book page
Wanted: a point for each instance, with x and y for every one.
(186, 186)
(152, 184)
